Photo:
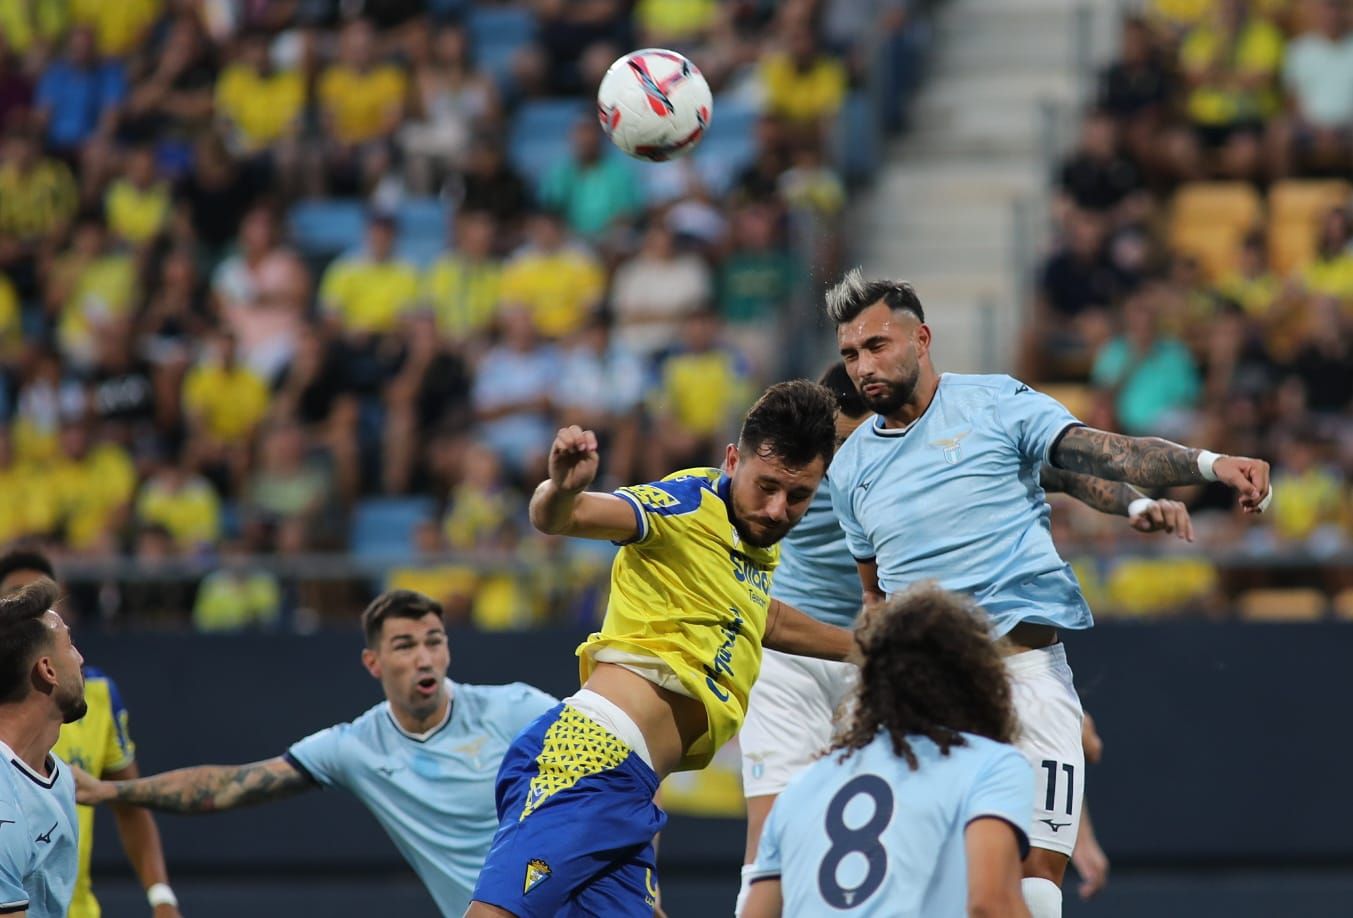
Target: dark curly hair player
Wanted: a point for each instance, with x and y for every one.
(929, 737)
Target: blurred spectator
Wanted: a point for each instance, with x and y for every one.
(315, 391)
(704, 389)
(452, 585)
(559, 280)
(121, 393)
(32, 29)
(94, 483)
(137, 205)
(601, 388)
(1324, 362)
(430, 389)
(1151, 379)
(119, 28)
(674, 24)
(365, 293)
(512, 394)
(1313, 507)
(213, 198)
(38, 199)
(261, 293)
(237, 596)
(159, 597)
(48, 398)
(656, 290)
(1077, 287)
(451, 100)
(89, 286)
(262, 108)
(802, 84)
(1135, 91)
(1230, 62)
(1331, 273)
(80, 97)
(173, 320)
(184, 503)
(463, 285)
(593, 191)
(11, 324)
(16, 89)
(568, 29)
(1097, 177)
(1253, 285)
(361, 105)
(176, 98)
(810, 184)
(223, 402)
(481, 503)
(758, 281)
(489, 183)
(1318, 76)
(289, 491)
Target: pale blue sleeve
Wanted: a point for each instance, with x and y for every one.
(16, 850)
(522, 704)
(767, 866)
(861, 549)
(1033, 420)
(1004, 790)
(320, 756)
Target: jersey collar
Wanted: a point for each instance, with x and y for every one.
(53, 766)
(435, 729)
(876, 424)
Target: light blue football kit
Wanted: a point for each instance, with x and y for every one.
(955, 498)
(39, 838)
(870, 836)
(817, 574)
(433, 793)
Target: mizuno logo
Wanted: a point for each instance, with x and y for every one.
(46, 837)
(1055, 826)
(387, 770)
(862, 486)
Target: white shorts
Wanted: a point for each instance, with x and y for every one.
(790, 718)
(1050, 718)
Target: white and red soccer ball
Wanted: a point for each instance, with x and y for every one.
(654, 104)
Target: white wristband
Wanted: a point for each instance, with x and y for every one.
(1205, 462)
(161, 894)
(1140, 506)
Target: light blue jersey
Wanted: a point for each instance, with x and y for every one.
(39, 838)
(870, 836)
(433, 793)
(817, 574)
(955, 498)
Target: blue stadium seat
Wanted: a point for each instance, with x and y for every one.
(496, 34)
(327, 227)
(382, 527)
(423, 218)
(539, 135)
(857, 148)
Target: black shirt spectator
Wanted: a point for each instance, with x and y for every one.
(1097, 176)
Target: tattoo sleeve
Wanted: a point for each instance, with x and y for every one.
(1147, 461)
(208, 788)
(1105, 496)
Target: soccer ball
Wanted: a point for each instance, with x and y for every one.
(654, 104)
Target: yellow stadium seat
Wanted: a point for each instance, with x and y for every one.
(1343, 604)
(1282, 605)
(1296, 207)
(1079, 399)
(1208, 220)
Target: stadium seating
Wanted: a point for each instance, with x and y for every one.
(1296, 208)
(497, 34)
(324, 228)
(539, 134)
(1208, 220)
(1282, 605)
(1343, 605)
(382, 527)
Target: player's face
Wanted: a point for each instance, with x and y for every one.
(411, 661)
(66, 663)
(769, 497)
(882, 350)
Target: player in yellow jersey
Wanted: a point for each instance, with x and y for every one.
(666, 678)
(99, 743)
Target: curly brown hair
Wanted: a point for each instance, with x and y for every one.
(928, 667)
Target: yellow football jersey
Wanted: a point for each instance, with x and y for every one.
(690, 597)
(99, 743)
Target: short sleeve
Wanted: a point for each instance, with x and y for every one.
(1033, 420)
(120, 750)
(659, 506)
(525, 703)
(767, 865)
(861, 549)
(15, 852)
(1004, 790)
(320, 756)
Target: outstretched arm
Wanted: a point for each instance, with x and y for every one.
(204, 789)
(790, 631)
(1155, 463)
(1145, 514)
(141, 841)
(562, 505)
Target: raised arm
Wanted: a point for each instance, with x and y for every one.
(204, 789)
(790, 631)
(1117, 498)
(1155, 463)
(141, 842)
(561, 504)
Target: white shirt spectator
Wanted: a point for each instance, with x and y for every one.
(1318, 71)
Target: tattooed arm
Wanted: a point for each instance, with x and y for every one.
(1116, 498)
(1155, 463)
(204, 789)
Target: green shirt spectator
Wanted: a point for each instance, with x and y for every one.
(589, 190)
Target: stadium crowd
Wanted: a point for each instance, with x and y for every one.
(1201, 288)
(300, 277)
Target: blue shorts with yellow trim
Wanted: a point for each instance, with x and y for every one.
(576, 824)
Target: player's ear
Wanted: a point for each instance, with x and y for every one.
(45, 677)
(371, 662)
(730, 459)
(922, 341)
